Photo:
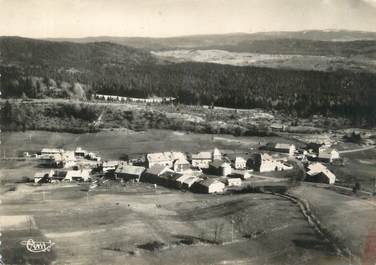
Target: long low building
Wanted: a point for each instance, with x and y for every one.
(128, 172)
(77, 175)
(317, 172)
(208, 185)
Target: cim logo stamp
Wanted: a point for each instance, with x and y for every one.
(38, 247)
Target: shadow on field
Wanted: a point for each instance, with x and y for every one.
(182, 240)
(207, 211)
(313, 244)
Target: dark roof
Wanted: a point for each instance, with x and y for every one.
(60, 174)
(217, 163)
(207, 182)
(171, 175)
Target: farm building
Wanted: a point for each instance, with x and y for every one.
(77, 175)
(234, 182)
(281, 148)
(79, 152)
(181, 165)
(59, 175)
(329, 155)
(240, 163)
(168, 179)
(65, 159)
(313, 147)
(43, 177)
(186, 181)
(108, 166)
(51, 151)
(154, 172)
(128, 172)
(158, 159)
(217, 155)
(266, 163)
(277, 127)
(219, 168)
(208, 186)
(202, 159)
(93, 156)
(161, 175)
(165, 158)
(317, 172)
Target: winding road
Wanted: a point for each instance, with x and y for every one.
(357, 150)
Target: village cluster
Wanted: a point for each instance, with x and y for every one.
(204, 172)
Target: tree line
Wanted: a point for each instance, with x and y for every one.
(296, 92)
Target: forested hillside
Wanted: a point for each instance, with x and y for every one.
(40, 69)
(92, 56)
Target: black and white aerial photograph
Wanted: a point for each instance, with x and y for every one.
(187, 132)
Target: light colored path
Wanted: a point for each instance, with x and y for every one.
(357, 150)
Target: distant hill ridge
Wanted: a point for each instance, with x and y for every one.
(25, 51)
(201, 41)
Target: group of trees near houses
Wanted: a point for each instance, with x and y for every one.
(301, 93)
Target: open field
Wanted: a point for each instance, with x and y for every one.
(359, 167)
(350, 221)
(140, 225)
(291, 61)
(136, 224)
(111, 144)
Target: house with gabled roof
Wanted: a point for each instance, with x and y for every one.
(208, 185)
(317, 172)
(154, 172)
(187, 180)
(128, 172)
(77, 175)
(328, 155)
(281, 148)
(219, 168)
(201, 159)
(181, 165)
(164, 158)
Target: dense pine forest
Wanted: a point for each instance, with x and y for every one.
(68, 70)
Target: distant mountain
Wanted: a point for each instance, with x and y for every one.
(203, 41)
(31, 52)
(364, 48)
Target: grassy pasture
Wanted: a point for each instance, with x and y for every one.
(140, 225)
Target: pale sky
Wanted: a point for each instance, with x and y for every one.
(164, 18)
